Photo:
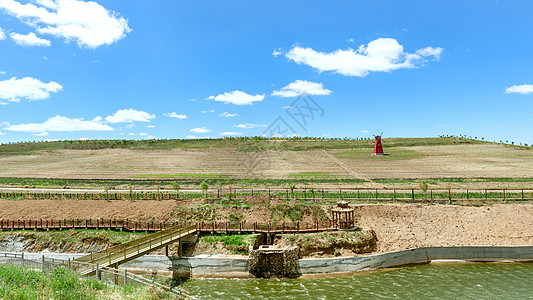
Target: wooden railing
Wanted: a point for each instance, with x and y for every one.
(82, 268)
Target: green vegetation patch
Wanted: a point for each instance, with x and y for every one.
(21, 283)
(391, 154)
(315, 175)
(71, 240)
(453, 179)
(185, 175)
(332, 242)
(235, 243)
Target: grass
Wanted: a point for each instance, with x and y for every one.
(185, 175)
(235, 243)
(453, 179)
(241, 144)
(74, 237)
(18, 283)
(360, 241)
(315, 175)
(392, 154)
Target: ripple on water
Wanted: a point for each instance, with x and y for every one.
(435, 281)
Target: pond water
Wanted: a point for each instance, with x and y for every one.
(435, 281)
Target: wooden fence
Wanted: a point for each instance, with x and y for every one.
(356, 194)
(117, 276)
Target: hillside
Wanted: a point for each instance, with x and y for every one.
(299, 159)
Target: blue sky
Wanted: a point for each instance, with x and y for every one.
(72, 69)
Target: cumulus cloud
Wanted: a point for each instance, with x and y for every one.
(299, 87)
(227, 115)
(249, 126)
(2, 133)
(88, 23)
(520, 89)
(230, 133)
(175, 115)
(380, 55)
(2, 34)
(61, 123)
(29, 88)
(277, 52)
(29, 40)
(237, 97)
(200, 130)
(129, 115)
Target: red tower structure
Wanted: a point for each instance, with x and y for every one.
(378, 148)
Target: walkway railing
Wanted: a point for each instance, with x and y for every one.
(125, 252)
(82, 268)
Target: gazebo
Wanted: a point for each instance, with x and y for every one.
(343, 215)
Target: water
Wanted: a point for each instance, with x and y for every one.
(431, 281)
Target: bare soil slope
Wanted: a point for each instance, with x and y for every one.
(397, 226)
(465, 160)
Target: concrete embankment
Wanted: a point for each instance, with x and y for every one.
(215, 266)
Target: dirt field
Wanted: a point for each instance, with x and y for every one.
(472, 160)
(397, 226)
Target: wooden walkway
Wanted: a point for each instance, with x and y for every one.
(135, 226)
(125, 252)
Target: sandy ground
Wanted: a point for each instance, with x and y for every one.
(437, 161)
(404, 226)
(398, 226)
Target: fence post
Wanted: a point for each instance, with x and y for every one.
(68, 266)
(125, 276)
(413, 194)
(42, 262)
(22, 259)
(98, 277)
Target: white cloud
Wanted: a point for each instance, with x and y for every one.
(380, 55)
(175, 115)
(83, 139)
(2, 133)
(150, 126)
(277, 52)
(299, 87)
(249, 126)
(200, 130)
(4, 123)
(364, 131)
(88, 23)
(192, 100)
(2, 72)
(227, 115)
(30, 88)
(60, 123)
(29, 40)
(231, 133)
(2, 34)
(41, 134)
(129, 115)
(520, 89)
(287, 107)
(208, 111)
(237, 98)
(143, 134)
(131, 134)
(326, 134)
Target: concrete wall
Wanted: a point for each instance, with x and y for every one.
(228, 267)
(414, 256)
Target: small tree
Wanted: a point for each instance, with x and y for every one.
(204, 187)
(292, 186)
(176, 186)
